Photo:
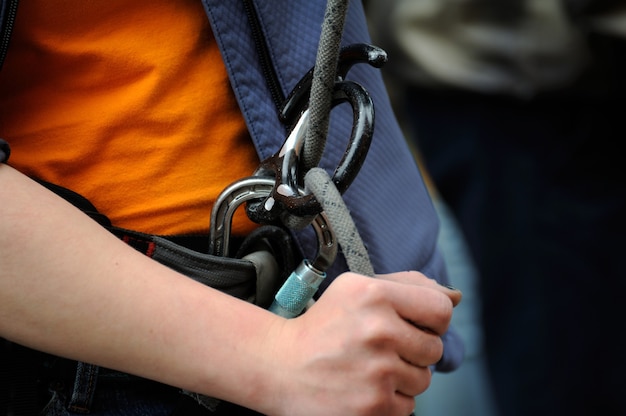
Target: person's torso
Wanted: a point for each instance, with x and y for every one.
(129, 104)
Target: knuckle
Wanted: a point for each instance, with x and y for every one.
(377, 402)
(358, 287)
(378, 331)
(372, 291)
(381, 372)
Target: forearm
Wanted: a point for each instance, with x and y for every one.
(70, 288)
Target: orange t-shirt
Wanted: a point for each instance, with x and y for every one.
(127, 103)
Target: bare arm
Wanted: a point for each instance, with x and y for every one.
(70, 288)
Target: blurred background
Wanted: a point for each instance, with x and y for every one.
(514, 111)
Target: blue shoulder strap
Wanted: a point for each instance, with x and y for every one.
(388, 200)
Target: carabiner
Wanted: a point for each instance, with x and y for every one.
(227, 202)
(251, 188)
(286, 199)
(302, 284)
(349, 56)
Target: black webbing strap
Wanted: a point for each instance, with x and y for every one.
(188, 255)
(185, 253)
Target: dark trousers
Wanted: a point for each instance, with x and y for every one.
(539, 189)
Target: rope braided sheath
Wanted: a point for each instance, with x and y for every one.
(321, 185)
(324, 74)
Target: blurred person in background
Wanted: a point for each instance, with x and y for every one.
(516, 109)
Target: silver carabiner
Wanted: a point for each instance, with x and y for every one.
(227, 202)
(256, 187)
(303, 282)
(286, 200)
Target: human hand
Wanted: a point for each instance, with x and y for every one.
(354, 352)
(364, 348)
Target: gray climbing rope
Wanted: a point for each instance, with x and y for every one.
(324, 76)
(321, 185)
(317, 180)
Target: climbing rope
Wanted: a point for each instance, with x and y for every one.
(321, 185)
(317, 180)
(324, 77)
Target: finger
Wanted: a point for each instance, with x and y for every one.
(419, 347)
(404, 404)
(417, 278)
(424, 306)
(412, 380)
